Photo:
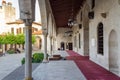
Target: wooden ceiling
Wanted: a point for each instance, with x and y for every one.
(64, 10)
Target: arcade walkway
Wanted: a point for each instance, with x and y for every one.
(64, 69)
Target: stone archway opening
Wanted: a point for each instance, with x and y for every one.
(113, 53)
(37, 44)
(62, 46)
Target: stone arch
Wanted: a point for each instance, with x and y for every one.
(113, 52)
(38, 43)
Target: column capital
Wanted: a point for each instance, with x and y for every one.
(28, 22)
(45, 33)
(51, 37)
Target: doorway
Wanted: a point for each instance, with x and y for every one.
(37, 45)
(70, 46)
(62, 46)
(113, 53)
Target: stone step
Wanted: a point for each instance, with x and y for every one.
(54, 58)
(56, 55)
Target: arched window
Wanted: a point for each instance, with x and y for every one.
(93, 4)
(100, 38)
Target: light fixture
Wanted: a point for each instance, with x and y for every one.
(71, 20)
(104, 15)
(68, 33)
(91, 15)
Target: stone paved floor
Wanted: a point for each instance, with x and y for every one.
(58, 70)
(62, 53)
(54, 70)
(9, 63)
(19, 73)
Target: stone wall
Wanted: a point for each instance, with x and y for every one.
(107, 12)
(82, 44)
(110, 22)
(61, 37)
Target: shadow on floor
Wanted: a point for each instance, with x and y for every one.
(19, 73)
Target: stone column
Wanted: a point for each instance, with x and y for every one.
(50, 45)
(28, 49)
(45, 60)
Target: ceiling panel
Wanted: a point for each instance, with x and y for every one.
(64, 10)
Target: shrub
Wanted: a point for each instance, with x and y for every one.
(36, 58)
(11, 51)
(23, 61)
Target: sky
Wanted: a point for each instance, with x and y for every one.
(15, 4)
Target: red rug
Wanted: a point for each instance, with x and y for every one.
(91, 70)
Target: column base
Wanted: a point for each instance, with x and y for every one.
(28, 78)
(45, 61)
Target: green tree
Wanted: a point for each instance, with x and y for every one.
(15, 39)
(10, 39)
(33, 39)
(2, 39)
(20, 39)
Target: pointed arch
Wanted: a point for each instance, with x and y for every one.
(113, 52)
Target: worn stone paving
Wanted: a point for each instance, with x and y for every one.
(62, 53)
(9, 63)
(19, 73)
(58, 70)
(11, 69)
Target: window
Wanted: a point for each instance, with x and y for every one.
(12, 30)
(17, 31)
(100, 38)
(20, 30)
(33, 29)
(79, 41)
(24, 30)
(93, 4)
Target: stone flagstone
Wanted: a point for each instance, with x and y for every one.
(58, 70)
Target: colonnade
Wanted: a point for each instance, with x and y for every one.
(27, 14)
